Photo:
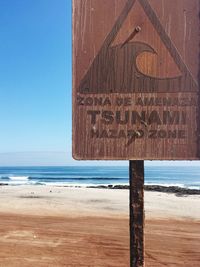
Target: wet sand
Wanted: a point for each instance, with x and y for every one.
(48, 226)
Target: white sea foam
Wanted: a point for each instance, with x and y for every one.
(19, 178)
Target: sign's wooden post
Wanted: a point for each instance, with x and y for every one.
(136, 176)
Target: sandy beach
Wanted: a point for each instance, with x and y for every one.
(60, 226)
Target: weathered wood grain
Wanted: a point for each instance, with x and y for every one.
(136, 79)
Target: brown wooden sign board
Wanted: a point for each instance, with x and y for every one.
(136, 79)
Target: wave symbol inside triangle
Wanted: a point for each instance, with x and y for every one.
(131, 62)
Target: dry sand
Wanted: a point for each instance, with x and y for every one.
(57, 226)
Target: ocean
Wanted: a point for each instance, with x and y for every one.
(182, 176)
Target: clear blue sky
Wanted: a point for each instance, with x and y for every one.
(35, 83)
(35, 77)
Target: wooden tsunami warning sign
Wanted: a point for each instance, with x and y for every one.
(136, 79)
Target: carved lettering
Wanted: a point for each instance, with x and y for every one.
(80, 100)
(104, 134)
(152, 134)
(120, 120)
(107, 102)
(132, 134)
(180, 134)
(119, 101)
(107, 117)
(113, 133)
(143, 117)
(93, 101)
(122, 134)
(154, 117)
(138, 117)
(94, 133)
(93, 114)
(166, 101)
(171, 117)
(162, 134)
(127, 101)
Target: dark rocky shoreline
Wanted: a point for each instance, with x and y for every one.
(179, 191)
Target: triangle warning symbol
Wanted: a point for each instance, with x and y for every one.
(137, 56)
